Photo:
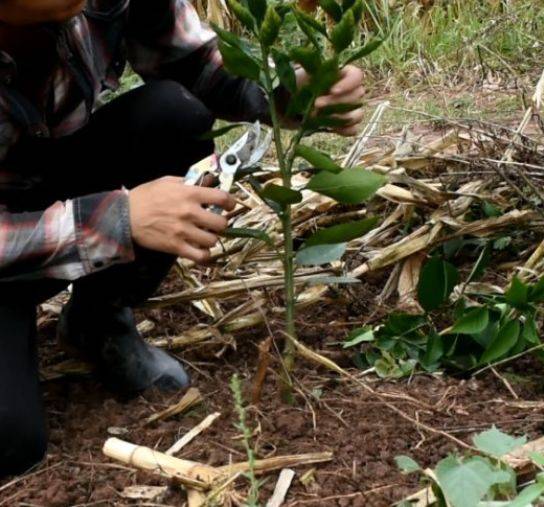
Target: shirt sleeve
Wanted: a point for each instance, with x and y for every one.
(68, 240)
(169, 41)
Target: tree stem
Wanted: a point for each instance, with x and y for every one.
(285, 165)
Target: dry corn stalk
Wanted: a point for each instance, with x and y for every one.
(197, 430)
(191, 398)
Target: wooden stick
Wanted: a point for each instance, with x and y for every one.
(282, 487)
(192, 397)
(189, 436)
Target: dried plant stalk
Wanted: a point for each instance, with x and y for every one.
(192, 397)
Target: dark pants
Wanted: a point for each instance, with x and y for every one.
(150, 132)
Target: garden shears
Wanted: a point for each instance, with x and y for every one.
(244, 153)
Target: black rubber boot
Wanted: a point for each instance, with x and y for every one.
(124, 361)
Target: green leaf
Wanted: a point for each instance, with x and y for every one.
(434, 350)
(530, 331)
(347, 4)
(320, 254)
(367, 49)
(332, 9)
(238, 62)
(487, 335)
(357, 336)
(317, 159)
(528, 496)
(506, 338)
(473, 322)
(270, 28)
(537, 458)
(536, 293)
(282, 195)
(465, 483)
(351, 186)
(481, 264)
(328, 75)
(494, 442)
(406, 464)
(300, 101)
(518, 293)
(230, 38)
(490, 210)
(357, 8)
(437, 280)
(213, 134)
(342, 233)
(285, 71)
(308, 57)
(248, 233)
(243, 14)
(502, 243)
(305, 19)
(343, 33)
(257, 8)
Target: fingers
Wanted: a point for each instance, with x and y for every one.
(352, 121)
(351, 77)
(193, 253)
(210, 221)
(199, 237)
(353, 97)
(348, 90)
(214, 197)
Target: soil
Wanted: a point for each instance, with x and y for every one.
(329, 414)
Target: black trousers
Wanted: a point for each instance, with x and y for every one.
(150, 132)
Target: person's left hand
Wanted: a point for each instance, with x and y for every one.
(348, 90)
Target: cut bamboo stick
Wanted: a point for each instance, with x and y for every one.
(188, 473)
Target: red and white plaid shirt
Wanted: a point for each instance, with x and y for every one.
(161, 38)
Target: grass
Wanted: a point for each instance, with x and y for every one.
(456, 38)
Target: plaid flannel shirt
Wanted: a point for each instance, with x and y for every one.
(160, 39)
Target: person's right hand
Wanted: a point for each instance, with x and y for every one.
(168, 216)
(29, 12)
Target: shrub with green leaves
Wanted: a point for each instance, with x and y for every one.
(265, 57)
(480, 480)
(484, 329)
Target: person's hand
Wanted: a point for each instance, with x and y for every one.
(348, 90)
(168, 216)
(29, 12)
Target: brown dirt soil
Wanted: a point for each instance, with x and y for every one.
(330, 414)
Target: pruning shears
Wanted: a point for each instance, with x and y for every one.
(244, 153)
